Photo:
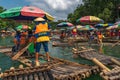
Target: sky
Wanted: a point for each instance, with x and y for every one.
(59, 9)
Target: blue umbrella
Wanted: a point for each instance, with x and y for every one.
(103, 25)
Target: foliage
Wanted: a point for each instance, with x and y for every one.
(104, 9)
(53, 25)
(2, 23)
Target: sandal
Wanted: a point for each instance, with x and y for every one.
(37, 63)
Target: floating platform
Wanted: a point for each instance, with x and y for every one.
(80, 40)
(108, 73)
(113, 74)
(102, 61)
(90, 53)
(63, 44)
(60, 44)
(58, 68)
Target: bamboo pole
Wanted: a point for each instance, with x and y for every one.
(83, 50)
(100, 64)
(115, 61)
(20, 52)
(115, 43)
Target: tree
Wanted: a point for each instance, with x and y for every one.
(105, 9)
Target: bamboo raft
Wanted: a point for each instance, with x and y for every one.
(69, 39)
(81, 40)
(106, 73)
(92, 53)
(58, 68)
(2, 47)
(59, 44)
(113, 74)
(63, 44)
(28, 73)
(102, 61)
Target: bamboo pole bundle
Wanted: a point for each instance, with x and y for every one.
(90, 54)
(5, 50)
(106, 73)
(3, 47)
(100, 64)
(15, 57)
(115, 61)
(28, 74)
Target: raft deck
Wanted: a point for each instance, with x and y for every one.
(90, 53)
(60, 69)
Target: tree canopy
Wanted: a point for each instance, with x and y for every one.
(108, 10)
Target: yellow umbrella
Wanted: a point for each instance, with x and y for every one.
(79, 26)
(49, 17)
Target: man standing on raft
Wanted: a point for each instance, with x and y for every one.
(42, 35)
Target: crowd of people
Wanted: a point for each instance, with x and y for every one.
(89, 35)
(41, 32)
(39, 36)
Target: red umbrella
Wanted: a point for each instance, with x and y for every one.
(32, 11)
(90, 19)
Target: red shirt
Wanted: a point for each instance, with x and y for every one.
(74, 31)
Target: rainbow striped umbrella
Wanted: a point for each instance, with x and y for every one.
(79, 26)
(113, 27)
(25, 13)
(22, 27)
(87, 27)
(65, 24)
(118, 22)
(90, 19)
(103, 25)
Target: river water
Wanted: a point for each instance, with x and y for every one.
(60, 52)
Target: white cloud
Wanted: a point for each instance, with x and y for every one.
(63, 4)
(57, 8)
(59, 4)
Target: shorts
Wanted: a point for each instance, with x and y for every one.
(45, 46)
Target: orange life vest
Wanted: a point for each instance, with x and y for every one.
(100, 36)
(41, 28)
(15, 41)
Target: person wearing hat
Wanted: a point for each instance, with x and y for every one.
(41, 32)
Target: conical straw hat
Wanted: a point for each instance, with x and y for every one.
(39, 19)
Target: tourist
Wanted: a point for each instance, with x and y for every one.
(74, 32)
(41, 33)
(31, 37)
(100, 37)
(23, 39)
(16, 41)
(119, 34)
(62, 35)
(90, 38)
